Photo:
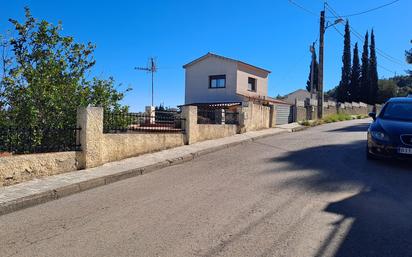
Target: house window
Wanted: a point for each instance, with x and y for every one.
(251, 85)
(217, 81)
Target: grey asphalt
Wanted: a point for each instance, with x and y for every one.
(310, 193)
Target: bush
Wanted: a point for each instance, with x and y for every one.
(305, 123)
(337, 117)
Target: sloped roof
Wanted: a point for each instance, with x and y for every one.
(296, 91)
(224, 58)
(264, 98)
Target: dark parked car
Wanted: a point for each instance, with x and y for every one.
(390, 134)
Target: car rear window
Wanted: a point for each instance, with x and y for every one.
(397, 111)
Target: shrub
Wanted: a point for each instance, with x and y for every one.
(336, 118)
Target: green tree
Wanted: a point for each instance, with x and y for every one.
(315, 74)
(46, 79)
(4, 64)
(364, 81)
(331, 94)
(387, 89)
(408, 55)
(354, 88)
(373, 72)
(404, 84)
(343, 89)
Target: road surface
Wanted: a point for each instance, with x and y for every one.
(310, 193)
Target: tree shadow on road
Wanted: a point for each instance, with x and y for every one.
(363, 127)
(381, 213)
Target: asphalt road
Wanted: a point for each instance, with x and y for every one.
(310, 193)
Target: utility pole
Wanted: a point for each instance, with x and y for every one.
(312, 70)
(152, 68)
(320, 72)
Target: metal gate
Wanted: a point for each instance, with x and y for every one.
(284, 114)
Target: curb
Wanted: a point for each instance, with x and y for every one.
(56, 193)
(301, 128)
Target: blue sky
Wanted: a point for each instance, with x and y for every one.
(271, 34)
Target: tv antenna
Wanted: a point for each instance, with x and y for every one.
(152, 68)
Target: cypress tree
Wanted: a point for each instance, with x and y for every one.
(343, 90)
(408, 55)
(354, 88)
(364, 81)
(373, 72)
(315, 75)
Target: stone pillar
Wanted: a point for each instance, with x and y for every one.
(222, 116)
(272, 116)
(151, 113)
(191, 128)
(340, 108)
(244, 117)
(90, 120)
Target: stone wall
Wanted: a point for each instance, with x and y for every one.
(18, 168)
(212, 131)
(99, 148)
(330, 110)
(200, 132)
(255, 116)
(308, 110)
(299, 111)
(353, 108)
(120, 146)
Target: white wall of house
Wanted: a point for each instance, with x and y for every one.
(197, 81)
(245, 72)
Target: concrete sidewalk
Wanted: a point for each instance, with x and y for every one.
(38, 191)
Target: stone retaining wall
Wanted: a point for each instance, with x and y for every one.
(309, 111)
(120, 146)
(99, 148)
(211, 131)
(18, 168)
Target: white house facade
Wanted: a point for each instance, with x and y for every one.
(217, 79)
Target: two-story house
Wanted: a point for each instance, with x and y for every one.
(216, 79)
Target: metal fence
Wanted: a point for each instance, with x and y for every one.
(159, 122)
(38, 140)
(217, 116)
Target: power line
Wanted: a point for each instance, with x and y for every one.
(303, 8)
(380, 66)
(369, 10)
(379, 51)
(357, 34)
(298, 62)
(360, 37)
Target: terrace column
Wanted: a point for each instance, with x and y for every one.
(90, 120)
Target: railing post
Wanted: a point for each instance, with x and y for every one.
(190, 125)
(90, 120)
